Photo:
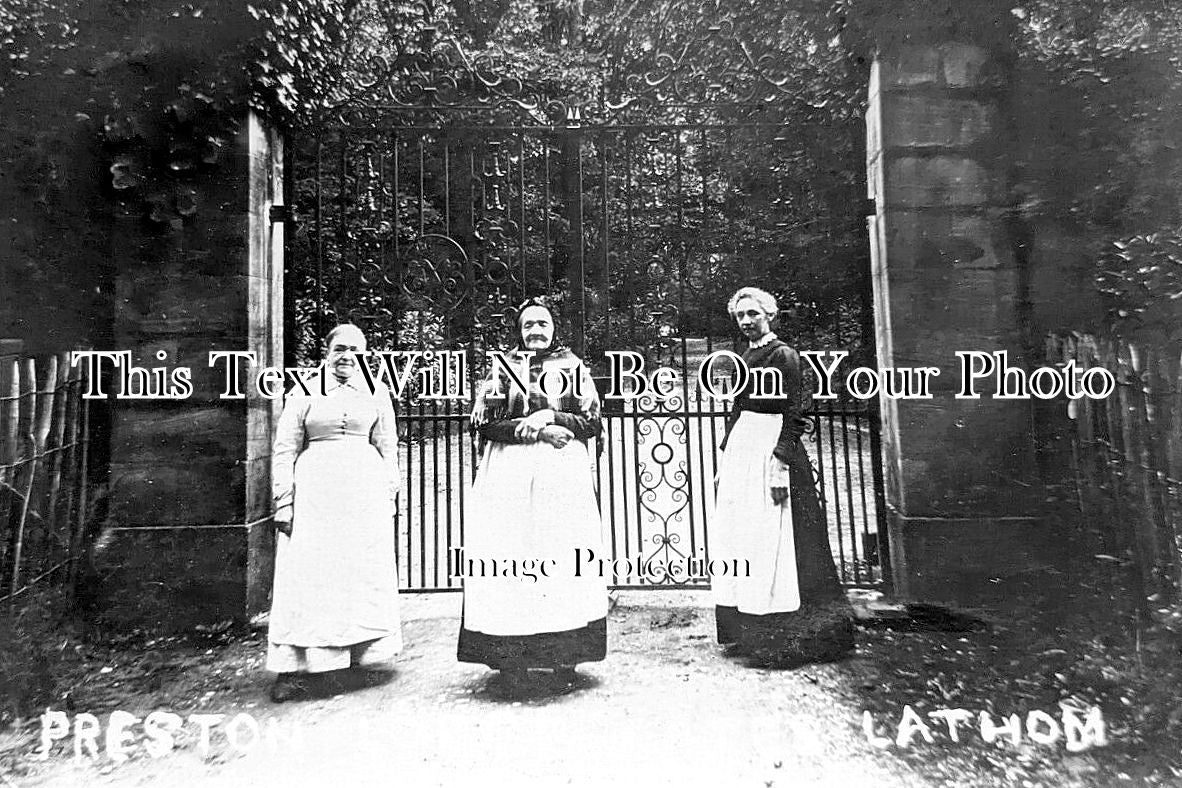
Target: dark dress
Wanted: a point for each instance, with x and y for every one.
(533, 501)
(772, 616)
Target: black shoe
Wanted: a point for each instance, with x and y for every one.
(566, 674)
(514, 681)
(734, 650)
(286, 687)
(566, 679)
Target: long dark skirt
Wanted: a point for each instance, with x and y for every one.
(532, 501)
(821, 630)
(540, 650)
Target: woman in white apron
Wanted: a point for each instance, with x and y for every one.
(334, 473)
(789, 609)
(532, 506)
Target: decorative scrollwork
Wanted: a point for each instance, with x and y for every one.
(437, 73)
(440, 74)
(720, 68)
(663, 491)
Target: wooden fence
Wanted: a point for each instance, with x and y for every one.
(46, 492)
(1127, 460)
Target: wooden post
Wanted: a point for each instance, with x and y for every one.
(35, 439)
(59, 433)
(83, 482)
(72, 394)
(12, 422)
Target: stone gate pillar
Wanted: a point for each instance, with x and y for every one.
(949, 274)
(188, 536)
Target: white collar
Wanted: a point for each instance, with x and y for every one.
(332, 384)
(763, 340)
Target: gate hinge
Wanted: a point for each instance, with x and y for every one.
(282, 213)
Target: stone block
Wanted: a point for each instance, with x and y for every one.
(937, 182)
(172, 301)
(967, 561)
(925, 120)
(183, 491)
(910, 65)
(874, 182)
(192, 351)
(260, 567)
(963, 65)
(167, 580)
(931, 241)
(261, 417)
(874, 129)
(258, 488)
(935, 314)
(952, 64)
(964, 458)
(891, 456)
(160, 432)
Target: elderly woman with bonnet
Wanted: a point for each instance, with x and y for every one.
(533, 501)
(334, 468)
(790, 608)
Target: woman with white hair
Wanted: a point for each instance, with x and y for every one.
(334, 474)
(790, 608)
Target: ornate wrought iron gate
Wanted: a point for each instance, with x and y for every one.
(446, 194)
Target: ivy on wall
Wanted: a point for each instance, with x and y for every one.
(121, 111)
(162, 84)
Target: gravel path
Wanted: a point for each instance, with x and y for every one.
(665, 708)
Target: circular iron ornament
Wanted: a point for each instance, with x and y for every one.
(433, 273)
(371, 274)
(663, 496)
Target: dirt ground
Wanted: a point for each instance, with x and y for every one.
(665, 708)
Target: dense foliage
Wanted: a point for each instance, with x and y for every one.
(140, 78)
(1114, 73)
(1142, 276)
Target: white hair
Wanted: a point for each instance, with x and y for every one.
(766, 301)
(344, 328)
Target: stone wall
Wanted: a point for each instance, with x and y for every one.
(188, 539)
(951, 272)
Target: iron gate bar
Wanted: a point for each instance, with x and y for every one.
(837, 508)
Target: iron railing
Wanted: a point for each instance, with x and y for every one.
(655, 483)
